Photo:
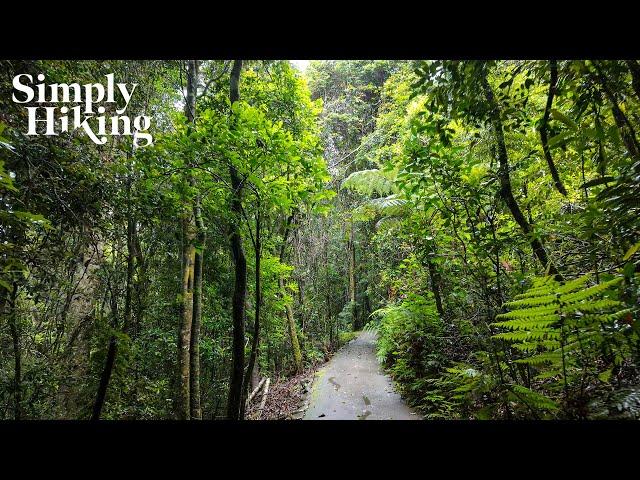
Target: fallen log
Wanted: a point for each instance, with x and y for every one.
(256, 390)
(264, 398)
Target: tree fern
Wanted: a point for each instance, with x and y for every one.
(370, 182)
(389, 206)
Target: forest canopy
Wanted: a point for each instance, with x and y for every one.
(481, 217)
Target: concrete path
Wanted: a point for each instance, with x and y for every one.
(351, 386)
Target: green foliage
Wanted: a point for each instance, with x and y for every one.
(411, 344)
(346, 337)
(397, 162)
(569, 335)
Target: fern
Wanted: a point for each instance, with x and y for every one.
(532, 399)
(559, 330)
(378, 183)
(370, 182)
(389, 206)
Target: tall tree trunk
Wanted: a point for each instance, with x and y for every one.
(194, 382)
(256, 322)
(553, 66)
(328, 291)
(505, 180)
(104, 378)
(129, 326)
(291, 327)
(240, 262)
(188, 266)
(351, 251)
(291, 324)
(184, 341)
(17, 354)
(130, 262)
(112, 351)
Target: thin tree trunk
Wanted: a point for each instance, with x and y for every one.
(17, 354)
(434, 276)
(328, 292)
(553, 65)
(184, 343)
(351, 251)
(293, 335)
(291, 324)
(505, 181)
(130, 262)
(256, 323)
(188, 267)
(194, 372)
(104, 378)
(240, 262)
(112, 351)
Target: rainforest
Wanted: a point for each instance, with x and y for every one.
(325, 239)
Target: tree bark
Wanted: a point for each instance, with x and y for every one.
(293, 335)
(104, 378)
(130, 263)
(188, 266)
(112, 352)
(256, 323)
(291, 324)
(184, 343)
(256, 390)
(553, 65)
(351, 251)
(17, 354)
(505, 181)
(263, 402)
(194, 372)
(240, 262)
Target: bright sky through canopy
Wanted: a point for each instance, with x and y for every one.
(300, 64)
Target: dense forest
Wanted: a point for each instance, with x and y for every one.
(481, 217)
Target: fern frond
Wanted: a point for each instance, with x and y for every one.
(529, 322)
(534, 312)
(525, 335)
(537, 345)
(590, 292)
(541, 358)
(593, 306)
(388, 206)
(368, 182)
(533, 301)
(533, 399)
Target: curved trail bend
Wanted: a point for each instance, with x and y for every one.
(352, 386)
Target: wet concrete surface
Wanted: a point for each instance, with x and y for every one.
(352, 386)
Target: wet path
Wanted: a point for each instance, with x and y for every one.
(353, 387)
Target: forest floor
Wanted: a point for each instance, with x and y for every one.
(286, 399)
(352, 386)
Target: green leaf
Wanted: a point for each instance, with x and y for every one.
(597, 181)
(606, 375)
(631, 251)
(557, 115)
(560, 139)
